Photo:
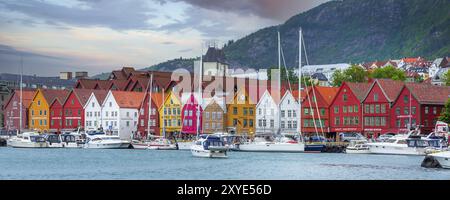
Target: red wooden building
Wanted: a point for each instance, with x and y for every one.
(315, 107)
(419, 104)
(73, 108)
(12, 110)
(142, 128)
(377, 106)
(189, 116)
(56, 114)
(345, 110)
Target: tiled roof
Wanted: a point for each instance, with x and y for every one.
(429, 94)
(359, 89)
(100, 95)
(51, 95)
(390, 87)
(127, 99)
(87, 83)
(328, 93)
(27, 97)
(157, 98)
(103, 84)
(120, 84)
(82, 95)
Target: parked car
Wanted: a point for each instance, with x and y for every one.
(347, 137)
(385, 137)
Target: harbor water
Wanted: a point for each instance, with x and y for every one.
(111, 164)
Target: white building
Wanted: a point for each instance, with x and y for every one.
(267, 115)
(93, 110)
(289, 113)
(118, 113)
(327, 70)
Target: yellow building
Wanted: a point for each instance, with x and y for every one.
(39, 110)
(170, 115)
(241, 114)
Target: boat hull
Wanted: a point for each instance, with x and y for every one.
(396, 150)
(272, 147)
(112, 145)
(140, 146)
(21, 144)
(162, 147)
(357, 151)
(185, 145)
(198, 151)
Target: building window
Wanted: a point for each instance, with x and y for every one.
(426, 109)
(245, 123)
(110, 104)
(72, 102)
(383, 108)
(282, 113)
(413, 110)
(336, 109)
(289, 113)
(356, 120)
(398, 123)
(272, 123)
(336, 121)
(250, 110)
(282, 124)
(245, 111)
(406, 110)
(350, 109)
(322, 111)
(235, 111)
(345, 97)
(372, 108)
(355, 108)
(260, 123)
(344, 109)
(306, 111)
(366, 108)
(377, 108)
(234, 122)
(259, 111)
(93, 105)
(375, 97)
(434, 110)
(405, 99)
(128, 123)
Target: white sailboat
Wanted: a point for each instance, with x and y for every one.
(269, 143)
(27, 139)
(206, 146)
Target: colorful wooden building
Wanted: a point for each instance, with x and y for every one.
(214, 116)
(241, 114)
(56, 114)
(191, 109)
(12, 110)
(346, 108)
(156, 103)
(418, 104)
(74, 108)
(39, 110)
(315, 110)
(170, 115)
(377, 105)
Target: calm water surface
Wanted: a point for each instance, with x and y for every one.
(146, 164)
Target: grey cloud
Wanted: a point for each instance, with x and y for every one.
(120, 15)
(271, 9)
(168, 43)
(8, 50)
(185, 50)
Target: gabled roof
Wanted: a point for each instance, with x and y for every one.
(27, 97)
(390, 88)
(81, 94)
(120, 84)
(100, 95)
(51, 95)
(429, 94)
(103, 84)
(157, 98)
(328, 93)
(86, 83)
(358, 89)
(127, 99)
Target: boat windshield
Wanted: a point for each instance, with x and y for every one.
(53, 138)
(68, 138)
(37, 139)
(418, 143)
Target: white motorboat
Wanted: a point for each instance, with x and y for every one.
(103, 141)
(268, 144)
(71, 141)
(139, 144)
(162, 144)
(28, 140)
(410, 144)
(357, 147)
(209, 146)
(53, 141)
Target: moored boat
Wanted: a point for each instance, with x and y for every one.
(270, 144)
(28, 140)
(357, 147)
(103, 141)
(209, 146)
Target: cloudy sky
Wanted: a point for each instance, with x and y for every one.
(101, 35)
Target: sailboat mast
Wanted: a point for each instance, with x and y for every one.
(20, 104)
(279, 61)
(164, 114)
(300, 80)
(150, 105)
(199, 92)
